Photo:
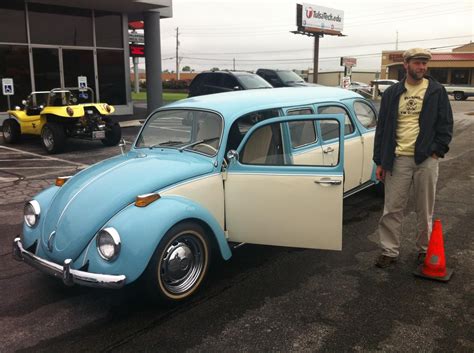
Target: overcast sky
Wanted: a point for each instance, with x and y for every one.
(257, 32)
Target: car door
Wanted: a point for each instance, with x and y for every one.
(273, 201)
(354, 151)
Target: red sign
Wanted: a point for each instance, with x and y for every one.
(137, 50)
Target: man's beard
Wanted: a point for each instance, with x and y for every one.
(415, 75)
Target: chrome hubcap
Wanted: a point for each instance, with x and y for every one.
(7, 131)
(48, 139)
(182, 263)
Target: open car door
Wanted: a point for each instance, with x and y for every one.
(271, 200)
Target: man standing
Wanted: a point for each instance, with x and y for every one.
(414, 129)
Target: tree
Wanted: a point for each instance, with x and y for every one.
(215, 69)
(186, 69)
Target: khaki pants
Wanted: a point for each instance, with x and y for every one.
(397, 186)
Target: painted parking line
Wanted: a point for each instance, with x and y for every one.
(82, 165)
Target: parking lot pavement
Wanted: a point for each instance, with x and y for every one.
(264, 298)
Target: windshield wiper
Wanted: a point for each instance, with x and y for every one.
(167, 143)
(182, 148)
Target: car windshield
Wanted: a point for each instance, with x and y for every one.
(252, 81)
(38, 98)
(185, 130)
(288, 76)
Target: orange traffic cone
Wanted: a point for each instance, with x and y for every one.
(434, 266)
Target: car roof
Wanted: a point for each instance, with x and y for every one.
(232, 105)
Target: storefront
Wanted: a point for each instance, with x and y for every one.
(48, 44)
(454, 67)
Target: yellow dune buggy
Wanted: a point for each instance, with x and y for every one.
(59, 114)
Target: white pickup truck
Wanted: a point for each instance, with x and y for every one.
(460, 92)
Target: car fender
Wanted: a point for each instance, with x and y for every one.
(78, 111)
(17, 115)
(141, 230)
(44, 198)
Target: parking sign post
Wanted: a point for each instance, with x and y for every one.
(8, 89)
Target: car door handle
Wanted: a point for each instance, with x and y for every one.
(328, 182)
(328, 149)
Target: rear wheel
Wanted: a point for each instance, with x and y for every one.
(11, 131)
(113, 134)
(179, 263)
(458, 96)
(53, 138)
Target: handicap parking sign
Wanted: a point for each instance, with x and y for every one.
(7, 87)
(82, 83)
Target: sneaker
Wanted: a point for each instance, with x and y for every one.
(384, 261)
(421, 258)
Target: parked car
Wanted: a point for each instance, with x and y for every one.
(362, 88)
(382, 84)
(263, 167)
(283, 78)
(210, 82)
(460, 92)
(61, 113)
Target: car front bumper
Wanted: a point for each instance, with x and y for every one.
(65, 272)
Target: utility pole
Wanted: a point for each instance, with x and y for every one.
(234, 63)
(396, 42)
(177, 53)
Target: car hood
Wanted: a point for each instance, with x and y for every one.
(88, 200)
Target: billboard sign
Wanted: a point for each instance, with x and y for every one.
(135, 37)
(322, 18)
(348, 62)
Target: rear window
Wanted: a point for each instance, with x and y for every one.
(252, 81)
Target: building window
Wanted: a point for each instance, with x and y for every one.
(108, 29)
(14, 63)
(460, 77)
(78, 63)
(440, 75)
(12, 22)
(111, 72)
(70, 26)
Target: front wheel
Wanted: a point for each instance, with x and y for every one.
(53, 137)
(11, 131)
(458, 96)
(179, 263)
(113, 134)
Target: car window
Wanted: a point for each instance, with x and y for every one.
(264, 147)
(289, 76)
(302, 132)
(365, 114)
(243, 124)
(329, 129)
(251, 81)
(192, 130)
(228, 81)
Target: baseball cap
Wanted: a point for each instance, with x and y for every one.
(417, 53)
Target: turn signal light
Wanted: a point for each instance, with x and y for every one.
(70, 111)
(60, 181)
(145, 200)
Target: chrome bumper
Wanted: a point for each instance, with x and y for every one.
(65, 272)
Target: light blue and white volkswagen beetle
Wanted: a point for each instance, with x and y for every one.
(262, 166)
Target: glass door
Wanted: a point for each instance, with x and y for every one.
(47, 69)
(78, 63)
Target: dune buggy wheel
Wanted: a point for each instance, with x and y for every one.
(179, 263)
(113, 134)
(11, 131)
(53, 137)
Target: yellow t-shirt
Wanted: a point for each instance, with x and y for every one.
(409, 109)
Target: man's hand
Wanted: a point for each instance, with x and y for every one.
(380, 173)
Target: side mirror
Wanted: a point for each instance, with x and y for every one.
(41, 106)
(232, 154)
(17, 107)
(23, 102)
(236, 88)
(122, 145)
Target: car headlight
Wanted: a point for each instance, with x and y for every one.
(31, 213)
(108, 244)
